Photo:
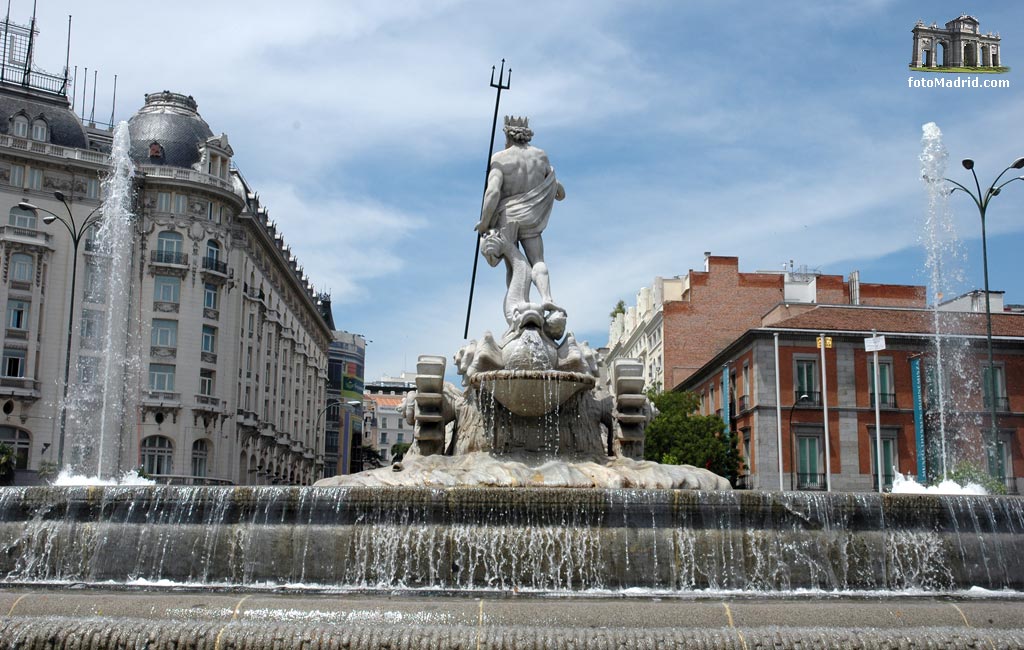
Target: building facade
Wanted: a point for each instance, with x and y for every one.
(383, 426)
(739, 385)
(680, 323)
(233, 349)
(344, 410)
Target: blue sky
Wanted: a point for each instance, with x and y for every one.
(769, 131)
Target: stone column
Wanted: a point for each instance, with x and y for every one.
(915, 57)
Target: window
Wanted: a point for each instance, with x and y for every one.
(886, 393)
(164, 333)
(209, 339)
(157, 455)
(92, 324)
(807, 380)
(206, 382)
(209, 211)
(20, 126)
(166, 288)
(890, 460)
(161, 377)
(994, 374)
(20, 218)
(211, 296)
(809, 462)
(18, 175)
(22, 267)
(94, 285)
(401, 436)
(39, 131)
(19, 441)
(163, 201)
(35, 179)
(14, 363)
(383, 437)
(200, 452)
(92, 189)
(212, 250)
(180, 203)
(88, 369)
(168, 248)
(169, 242)
(17, 314)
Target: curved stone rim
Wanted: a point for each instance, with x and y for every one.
(557, 375)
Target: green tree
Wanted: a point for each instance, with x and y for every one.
(620, 308)
(398, 450)
(8, 462)
(679, 436)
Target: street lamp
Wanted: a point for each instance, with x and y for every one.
(792, 439)
(981, 201)
(77, 231)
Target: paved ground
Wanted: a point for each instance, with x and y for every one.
(91, 619)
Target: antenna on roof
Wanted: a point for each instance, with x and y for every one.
(85, 83)
(92, 113)
(67, 58)
(74, 89)
(31, 40)
(113, 103)
(7, 23)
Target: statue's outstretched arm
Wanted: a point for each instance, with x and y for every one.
(492, 195)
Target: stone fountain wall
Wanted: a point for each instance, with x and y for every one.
(546, 540)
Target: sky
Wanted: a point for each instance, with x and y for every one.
(768, 131)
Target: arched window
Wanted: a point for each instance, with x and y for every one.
(200, 453)
(22, 267)
(157, 455)
(20, 218)
(168, 248)
(40, 131)
(212, 250)
(18, 440)
(19, 126)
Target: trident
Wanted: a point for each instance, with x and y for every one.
(503, 84)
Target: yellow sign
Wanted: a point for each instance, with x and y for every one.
(828, 342)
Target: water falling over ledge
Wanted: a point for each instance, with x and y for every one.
(533, 540)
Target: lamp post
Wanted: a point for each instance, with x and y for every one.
(77, 232)
(981, 200)
(792, 439)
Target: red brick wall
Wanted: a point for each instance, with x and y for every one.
(723, 304)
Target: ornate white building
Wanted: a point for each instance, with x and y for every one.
(233, 347)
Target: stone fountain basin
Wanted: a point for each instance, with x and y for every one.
(532, 392)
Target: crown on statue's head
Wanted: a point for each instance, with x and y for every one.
(511, 120)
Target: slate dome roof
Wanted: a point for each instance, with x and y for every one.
(65, 129)
(173, 121)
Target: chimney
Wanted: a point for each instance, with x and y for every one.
(707, 261)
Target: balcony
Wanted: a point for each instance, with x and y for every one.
(886, 400)
(805, 481)
(810, 398)
(190, 175)
(215, 270)
(29, 236)
(1011, 484)
(208, 403)
(246, 418)
(17, 334)
(19, 387)
(744, 403)
(1002, 404)
(161, 399)
(169, 258)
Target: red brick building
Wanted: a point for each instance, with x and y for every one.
(747, 366)
(681, 323)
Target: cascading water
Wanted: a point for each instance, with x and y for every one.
(101, 404)
(947, 377)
